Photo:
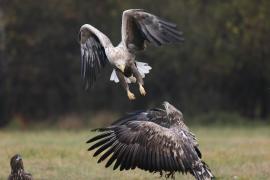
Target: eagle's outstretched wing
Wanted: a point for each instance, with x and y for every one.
(139, 140)
(139, 26)
(93, 56)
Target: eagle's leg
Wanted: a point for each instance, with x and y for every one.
(170, 175)
(123, 82)
(142, 90)
(139, 79)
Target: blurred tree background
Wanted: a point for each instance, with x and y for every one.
(224, 64)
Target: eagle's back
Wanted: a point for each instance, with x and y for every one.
(20, 175)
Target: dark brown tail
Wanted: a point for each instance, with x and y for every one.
(203, 172)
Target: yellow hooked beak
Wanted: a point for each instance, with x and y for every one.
(122, 67)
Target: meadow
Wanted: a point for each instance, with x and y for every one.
(232, 153)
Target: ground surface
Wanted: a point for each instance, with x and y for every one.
(232, 153)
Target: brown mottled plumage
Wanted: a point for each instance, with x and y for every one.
(17, 169)
(156, 140)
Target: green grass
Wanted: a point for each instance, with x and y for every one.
(232, 153)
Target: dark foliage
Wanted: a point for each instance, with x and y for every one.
(223, 64)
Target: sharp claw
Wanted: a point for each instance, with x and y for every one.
(142, 91)
(130, 95)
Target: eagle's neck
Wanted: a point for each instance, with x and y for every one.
(17, 171)
(174, 119)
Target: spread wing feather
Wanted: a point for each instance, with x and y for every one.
(93, 56)
(139, 26)
(140, 140)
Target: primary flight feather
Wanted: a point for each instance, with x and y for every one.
(155, 140)
(138, 27)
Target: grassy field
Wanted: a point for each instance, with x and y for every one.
(232, 153)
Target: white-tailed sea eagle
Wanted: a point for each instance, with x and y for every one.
(155, 140)
(138, 27)
(17, 169)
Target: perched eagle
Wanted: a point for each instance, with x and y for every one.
(138, 27)
(17, 169)
(156, 140)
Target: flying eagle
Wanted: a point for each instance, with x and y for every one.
(17, 169)
(155, 140)
(138, 27)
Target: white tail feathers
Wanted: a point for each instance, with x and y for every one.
(142, 67)
(114, 77)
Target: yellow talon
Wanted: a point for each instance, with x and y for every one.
(130, 95)
(132, 79)
(142, 91)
